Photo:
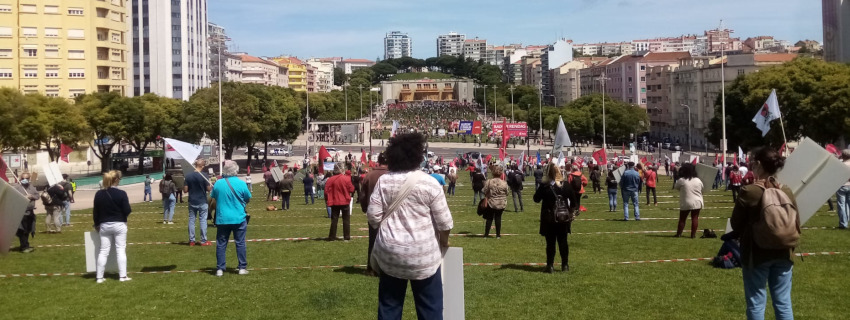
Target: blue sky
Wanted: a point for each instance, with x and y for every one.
(356, 28)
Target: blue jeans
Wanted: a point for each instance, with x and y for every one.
(66, 207)
(168, 207)
(777, 274)
(427, 294)
(842, 199)
(612, 199)
(477, 196)
(309, 193)
(148, 195)
(633, 196)
(451, 189)
(201, 212)
(222, 235)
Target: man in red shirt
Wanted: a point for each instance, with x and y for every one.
(338, 191)
(651, 177)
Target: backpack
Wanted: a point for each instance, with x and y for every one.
(562, 210)
(46, 199)
(517, 179)
(778, 223)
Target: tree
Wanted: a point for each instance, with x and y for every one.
(340, 77)
(240, 111)
(813, 98)
(19, 126)
(148, 117)
(384, 71)
(101, 111)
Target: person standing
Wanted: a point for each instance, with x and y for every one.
(842, 196)
(148, 197)
(735, 179)
(690, 198)
(611, 184)
(629, 186)
(439, 177)
(338, 190)
(110, 210)
(270, 184)
(538, 176)
(167, 189)
(367, 187)
(516, 179)
(577, 180)
(452, 180)
(320, 185)
(496, 192)
(231, 195)
(477, 184)
(197, 186)
(66, 204)
(413, 220)
(595, 177)
(763, 265)
(355, 181)
(308, 189)
(286, 186)
(56, 196)
(551, 229)
(27, 226)
(651, 177)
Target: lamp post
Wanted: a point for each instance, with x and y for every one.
(512, 104)
(495, 110)
(722, 95)
(540, 102)
(346, 100)
(603, 79)
(689, 126)
(361, 100)
(485, 103)
(221, 41)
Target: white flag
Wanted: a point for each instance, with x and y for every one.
(182, 150)
(741, 155)
(395, 127)
(561, 159)
(769, 112)
(562, 138)
(521, 159)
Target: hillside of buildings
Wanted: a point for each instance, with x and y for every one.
(421, 75)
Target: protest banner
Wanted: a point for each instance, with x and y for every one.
(813, 174)
(519, 129)
(12, 208)
(452, 275)
(706, 174)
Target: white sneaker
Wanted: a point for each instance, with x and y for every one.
(164, 222)
(219, 273)
(125, 279)
(101, 280)
(243, 271)
(170, 222)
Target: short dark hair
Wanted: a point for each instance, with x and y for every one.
(405, 152)
(382, 158)
(769, 160)
(687, 171)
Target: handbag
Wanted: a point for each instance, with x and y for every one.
(482, 207)
(244, 205)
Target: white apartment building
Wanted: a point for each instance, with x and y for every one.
(450, 44)
(232, 64)
(217, 43)
(351, 65)
(170, 51)
(262, 71)
(397, 45)
(324, 74)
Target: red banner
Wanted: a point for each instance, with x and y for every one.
(519, 129)
(476, 127)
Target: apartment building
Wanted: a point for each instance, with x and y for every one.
(217, 44)
(324, 74)
(232, 67)
(351, 65)
(170, 50)
(553, 57)
(64, 48)
(397, 45)
(567, 82)
(296, 72)
(312, 86)
(450, 44)
(626, 75)
(262, 71)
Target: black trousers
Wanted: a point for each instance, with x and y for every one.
(495, 214)
(336, 212)
(564, 248)
(373, 233)
(285, 196)
(648, 190)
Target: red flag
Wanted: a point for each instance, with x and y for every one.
(624, 149)
(265, 168)
(286, 167)
(363, 155)
(274, 164)
(782, 149)
(64, 151)
(249, 169)
(3, 169)
(829, 148)
(487, 159)
(735, 160)
(323, 154)
(643, 161)
(695, 160)
(717, 158)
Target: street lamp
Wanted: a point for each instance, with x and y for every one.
(485, 103)
(512, 103)
(495, 109)
(540, 102)
(361, 100)
(346, 100)
(689, 126)
(603, 79)
(222, 41)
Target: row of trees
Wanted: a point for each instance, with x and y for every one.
(481, 71)
(814, 97)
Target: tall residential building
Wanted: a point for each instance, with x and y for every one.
(553, 57)
(324, 74)
(397, 45)
(217, 43)
(64, 48)
(567, 82)
(170, 52)
(836, 30)
(450, 44)
(626, 75)
(296, 72)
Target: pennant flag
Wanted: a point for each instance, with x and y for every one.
(521, 160)
(829, 148)
(562, 138)
(323, 154)
(177, 149)
(64, 151)
(624, 148)
(561, 159)
(3, 169)
(13, 205)
(741, 155)
(694, 160)
(782, 149)
(769, 112)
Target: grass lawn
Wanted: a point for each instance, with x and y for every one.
(313, 279)
(420, 75)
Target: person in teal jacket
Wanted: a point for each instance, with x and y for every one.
(231, 195)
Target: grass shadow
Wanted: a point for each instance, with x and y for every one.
(351, 270)
(159, 268)
(670, 235)
(522, 267)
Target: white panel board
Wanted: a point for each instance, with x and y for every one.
(813, 174)
(277, 174)
(452, 274)
(706, 174)
(12, 207)
(92, 240)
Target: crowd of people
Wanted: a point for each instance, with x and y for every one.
(430, 117)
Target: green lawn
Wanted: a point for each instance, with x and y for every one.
(312, 279)
(421, 75)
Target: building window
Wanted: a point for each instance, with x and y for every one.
(643, 101)
(76, 54)
(51, 73)
(642, 68)
(51, 9)
(53, 93)
(28, 8)
(76, 92)
(642, 79)
(5, 8)
(76, 73)
(5, 73)
(5, 31)
(76, 34)
(30, 52)
(75, 11)
(5, 53)
(29, 31)
(30, 73)
(740, 72)
(51, 32)
(631, 100)
(630, 79)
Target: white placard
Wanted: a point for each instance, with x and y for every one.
(618, 173)
(277, 174)
(92, 240)
(12, 207)
(675, 156)
(813, 174)
(634, 158)
(329, 166)
(706, 174)
(452, 275)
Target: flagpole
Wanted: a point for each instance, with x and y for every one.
(781, 125)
